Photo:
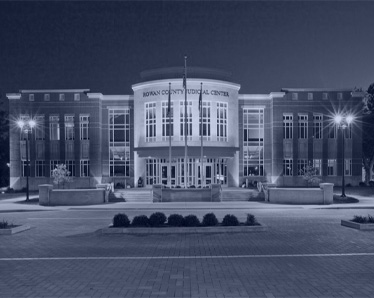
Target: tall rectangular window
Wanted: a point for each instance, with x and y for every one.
(317, 126)
(348, 132)
(119, 142)
(54, 128)
(69, 127)
(31, 97)
(325, 96)
(39, 168)
(301, 165)
(47, 97)
(253, 142)
(295, 96)
(182, 120)
(77, 96)
(331, 167)
(303, 126)
(348, 167)
(333, 131)
(310, 96)
(70, 166)
(287, 167)
(61, 97)
(84, 121)
(167, 128)
(150, 122)
(317, 163)
(39, 129)
(85, 168)
(222, 121)
(205, 121)
(340, 95)
(287, 126)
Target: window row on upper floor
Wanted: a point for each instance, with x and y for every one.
(312, 96)
(61, 96)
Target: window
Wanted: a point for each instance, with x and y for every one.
(317, 163)
(31, 97)
(348, 132)
(119, 142)
(303, 126)
(70, 166)
(85, 168)
(333, 132)
(39, 129)
(222, 121)
(206, 121)
(150, 122)
(167, 128)
(54, 128)
(287, 167)
(348, 167)
(301, 165)
(253, 142)
(182, 120)
(39, 168)
(52, 165)
(310, 96)
(295, 96)
(331, 167)
(340, 95)
(77, 96)
(287, 126)
(325, 96)
(69, 127)
(25, 168)
(84, 121)
(62, 97)
(317, 126)
(47, 97)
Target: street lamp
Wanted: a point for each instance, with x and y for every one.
(343, 122)
(26, 126)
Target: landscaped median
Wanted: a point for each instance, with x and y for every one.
(9, 229)
(157, 223)
(364, 223)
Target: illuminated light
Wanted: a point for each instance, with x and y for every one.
(32, 123)
(21, 123)
(349, 119)
(338, 119)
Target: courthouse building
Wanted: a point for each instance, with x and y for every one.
(246, 137)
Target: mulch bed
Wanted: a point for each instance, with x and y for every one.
(347, 200)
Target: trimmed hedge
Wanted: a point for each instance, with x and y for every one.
(120, 220)
(140, 221)
(175, 220)
(209, 220)
(191, 221)
(230, 220)
(157, 219)
(251, 220)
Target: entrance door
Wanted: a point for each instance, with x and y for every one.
(208, 174)
(164, 174)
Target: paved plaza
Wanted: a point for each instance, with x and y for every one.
(304, 253)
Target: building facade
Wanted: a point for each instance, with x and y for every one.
(246, 137)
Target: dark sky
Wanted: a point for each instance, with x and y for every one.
(266, 45)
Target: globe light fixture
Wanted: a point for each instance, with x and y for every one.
(26, 126)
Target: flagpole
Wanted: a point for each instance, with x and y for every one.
(170, 129)
(201, 131)
(185, 122)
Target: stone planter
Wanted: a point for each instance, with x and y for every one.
(183, 230)
(14, 230)
(357, 226)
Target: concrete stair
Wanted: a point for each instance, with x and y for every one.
(240, 194)
(134, 195)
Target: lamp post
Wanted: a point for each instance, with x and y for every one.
(26, 126)
(343, 122)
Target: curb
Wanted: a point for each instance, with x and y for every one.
(357, 226)
(14, 230)
(183, 230)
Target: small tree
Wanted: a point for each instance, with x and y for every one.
(61, 175)
(310, 174)
(368, 136)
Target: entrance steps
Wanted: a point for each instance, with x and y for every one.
(240, 194)
(139, 195)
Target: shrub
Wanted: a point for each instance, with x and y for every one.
(370, 219)
(251, 220)
(121, 220)
(359, 219)
(230, 220)
(157, 219)
(209, 219)
(362, 184)
(4, 224)
(348, 185)
(175, 220)
(191, 221)
(371, 183)
(140, 221)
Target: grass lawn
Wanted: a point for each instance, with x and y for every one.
(355, 190)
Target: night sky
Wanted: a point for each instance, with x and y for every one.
(266, 45)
